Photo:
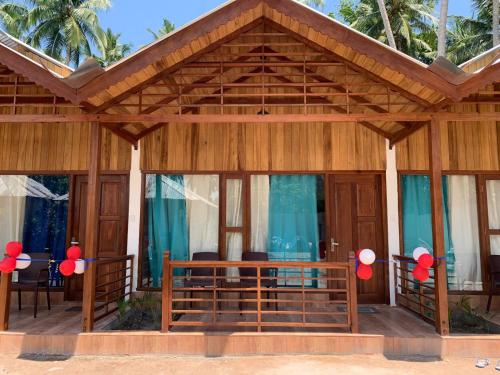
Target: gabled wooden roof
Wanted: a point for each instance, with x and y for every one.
(411, 85)
(235, 16)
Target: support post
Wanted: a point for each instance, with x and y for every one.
(440, 277)
(353, 294)
(166, 308)
(92, 227)
(5, 287)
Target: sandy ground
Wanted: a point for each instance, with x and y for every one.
(288, 365)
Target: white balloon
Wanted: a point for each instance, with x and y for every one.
(23, 261)
(367, 256)
(80, 266)
(418, 252)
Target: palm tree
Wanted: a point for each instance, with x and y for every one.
(165, 29)
(412, 22)
(470, 36)
(114, 50)
(496, 22)
(66, 29)
(12, 18)
(387, 24)
(443, 20)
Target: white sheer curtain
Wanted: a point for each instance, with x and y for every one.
(259, 191)
(202, 204)
(12, 203)
(464, 232)
(493, 191)
(234, 218)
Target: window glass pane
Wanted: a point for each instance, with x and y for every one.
(234, 249)
(461, 229)
(287, 215)
(493, 192)
(495, 245)
(234, 206)
(182, 216)
(34, 211)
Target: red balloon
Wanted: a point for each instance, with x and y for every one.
(420, 273)
(2, 265)
(425, 261)
(365, 272)
(13, 249)
(67, 267)
(8, 265)
(74, 252)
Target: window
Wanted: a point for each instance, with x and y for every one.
(287, 218)
(461, 229)
(34, 211)
(181, 215)
(493, 197)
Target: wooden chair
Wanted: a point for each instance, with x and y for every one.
(494, 267)
(33, 278)
(249, 276)
(196, 275)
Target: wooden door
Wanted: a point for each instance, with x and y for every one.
(356, 222)
(113, 222)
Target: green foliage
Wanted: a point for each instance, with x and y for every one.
(464, 318)
(165, 29)
(412, 21)
(13, 17)
(141, 313)
(470, 36)
(66, 29)
(113, 50)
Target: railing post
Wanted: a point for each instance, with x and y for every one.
(259, 303)
(5, 287)
(353, 294)
(165, 293)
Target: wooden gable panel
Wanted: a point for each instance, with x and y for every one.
(262, 147)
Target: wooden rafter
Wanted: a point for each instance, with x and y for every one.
(165, 73)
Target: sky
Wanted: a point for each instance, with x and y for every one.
(132, 18)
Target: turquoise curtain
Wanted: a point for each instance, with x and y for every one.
(167, 224)
(417, 216)
(293, 218)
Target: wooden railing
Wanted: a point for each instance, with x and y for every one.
(5, 287)
(113, 283)
(320, 295)
(418, 297)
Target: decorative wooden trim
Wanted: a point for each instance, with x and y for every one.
(259, 119)
(27, 68)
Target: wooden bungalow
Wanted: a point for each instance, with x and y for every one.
(262, 127)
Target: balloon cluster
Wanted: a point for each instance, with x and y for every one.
(15, 258)
(425, 261)
(73, 264)
(365, 257)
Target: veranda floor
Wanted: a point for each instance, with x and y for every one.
(66, 319)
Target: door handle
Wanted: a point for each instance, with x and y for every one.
(333, 244)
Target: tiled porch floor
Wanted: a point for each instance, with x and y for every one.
(66, 319)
